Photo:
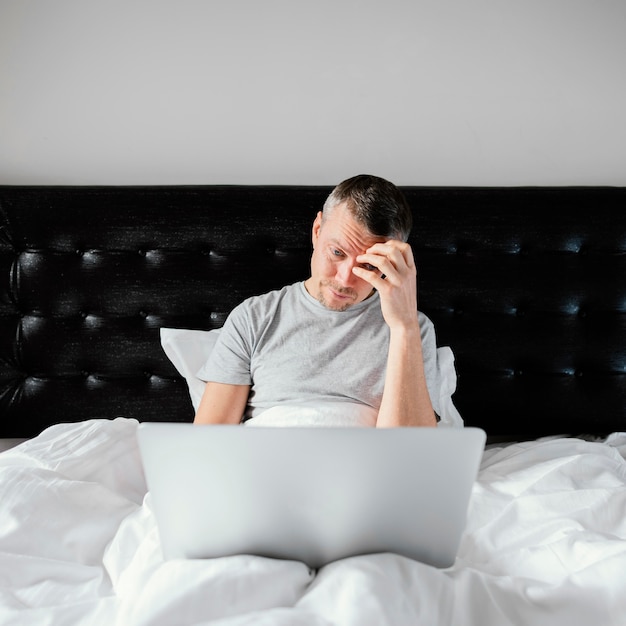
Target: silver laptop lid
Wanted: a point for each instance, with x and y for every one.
(310, 494)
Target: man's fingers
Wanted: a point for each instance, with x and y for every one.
(375, 279)
(388, 260)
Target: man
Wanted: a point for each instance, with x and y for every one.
(350, 336)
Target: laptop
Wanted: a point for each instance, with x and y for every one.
(312, 494)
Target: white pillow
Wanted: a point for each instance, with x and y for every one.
(188, 350)
(447, 386)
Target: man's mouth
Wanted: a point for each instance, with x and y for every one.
(341, 293)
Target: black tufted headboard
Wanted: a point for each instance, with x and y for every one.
(527, 285)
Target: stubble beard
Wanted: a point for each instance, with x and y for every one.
(345, 291)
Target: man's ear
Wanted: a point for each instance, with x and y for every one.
(317, 225)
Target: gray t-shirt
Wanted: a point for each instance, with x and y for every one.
(292, 349)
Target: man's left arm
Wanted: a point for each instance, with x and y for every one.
(405, 401)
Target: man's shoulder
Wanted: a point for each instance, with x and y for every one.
(262, 306)
(271, 297)
(424, 319)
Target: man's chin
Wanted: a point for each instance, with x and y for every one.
(335, 301)
(336, 307)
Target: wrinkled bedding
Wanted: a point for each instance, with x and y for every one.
(545, 544)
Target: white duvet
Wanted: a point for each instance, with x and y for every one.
(545, 544)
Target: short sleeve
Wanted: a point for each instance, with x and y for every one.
(229, 361)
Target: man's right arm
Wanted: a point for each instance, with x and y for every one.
(222, 404)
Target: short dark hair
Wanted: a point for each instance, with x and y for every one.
(376, 203)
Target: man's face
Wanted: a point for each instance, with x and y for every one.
(336, 244)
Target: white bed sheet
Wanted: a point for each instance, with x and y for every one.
(545, 544)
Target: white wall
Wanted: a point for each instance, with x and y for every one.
(485, 92)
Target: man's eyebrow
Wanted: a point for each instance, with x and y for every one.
(336, 243)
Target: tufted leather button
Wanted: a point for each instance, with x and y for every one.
(91, 380)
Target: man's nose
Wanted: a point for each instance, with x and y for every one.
(344, 273)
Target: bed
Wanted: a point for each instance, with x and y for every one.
(526, 288)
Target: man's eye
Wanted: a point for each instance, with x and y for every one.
(369, 267)
(336, 252)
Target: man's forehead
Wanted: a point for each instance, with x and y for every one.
(344, 231)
